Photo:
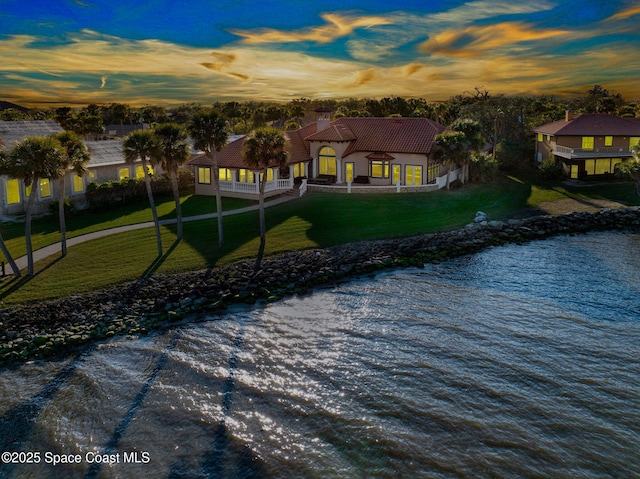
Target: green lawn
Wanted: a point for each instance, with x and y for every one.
(316, 220)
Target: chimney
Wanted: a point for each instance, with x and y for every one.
(568, 115)
(323, 117)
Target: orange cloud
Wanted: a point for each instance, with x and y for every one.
(411, 68)
(337, 26)
(364, 77)
(472, 41)
(628, 13)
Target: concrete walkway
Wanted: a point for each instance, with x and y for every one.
(56, 248)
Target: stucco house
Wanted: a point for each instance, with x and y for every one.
(589, 145)
(107, 163)
(348, 153)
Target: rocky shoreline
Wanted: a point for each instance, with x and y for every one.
(53, 328)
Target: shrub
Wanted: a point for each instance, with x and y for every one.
(69, 208)
(550, 169)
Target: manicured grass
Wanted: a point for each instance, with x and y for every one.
(46, 230)
(316, 220)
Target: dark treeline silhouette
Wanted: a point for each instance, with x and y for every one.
(506, 122)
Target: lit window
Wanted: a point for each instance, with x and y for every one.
(327, 161)
(603, 166)
(634, 141)
(45, 188)
(608, 141)
(590, 167)
(396, 174)
(78, 184)
(433, 170)
(123, 173)
(413, 175)
(587, 142)
(246, 176)
(140, 171)
(269, 174)
(204, 175)
(224, 174)
(348, 170)
(379, 168)
(298, 170)
(614, 163)
(574, 172)
(540, 137)
(13, 191)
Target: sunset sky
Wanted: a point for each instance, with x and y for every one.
(65, 52)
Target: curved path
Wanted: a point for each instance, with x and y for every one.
(56, 247)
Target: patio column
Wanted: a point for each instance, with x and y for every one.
(338, 170)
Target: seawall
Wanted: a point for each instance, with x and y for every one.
(59, 326)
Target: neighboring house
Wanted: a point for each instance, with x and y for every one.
(14, 192)
(107, 163)
(378, 152)
(588, 146)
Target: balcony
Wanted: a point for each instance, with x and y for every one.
(581, 153)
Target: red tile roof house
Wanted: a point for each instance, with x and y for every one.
(348, 154)
(588, 146)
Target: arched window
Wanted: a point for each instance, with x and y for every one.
(327, 161)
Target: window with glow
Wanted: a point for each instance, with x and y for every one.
(633, 141)
(45, 188)
(269, 174)
(433, 170)
(123, 173)
(587, 142)
(327, 161)
(13, 191)
(204, 175)
(590, 167)
(78, 184)
(246, 176)
(224, 174)
(615, 162)
(298, 170)
(413, 175)
(379, 168)
(574, 172)
(92, 175)
(540, 137)
(140, 171)
(395, 176)
(603, 166)
(608, 141)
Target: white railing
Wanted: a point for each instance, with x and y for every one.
(303, 187)
(253, 188)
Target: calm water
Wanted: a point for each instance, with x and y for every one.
(520, 361)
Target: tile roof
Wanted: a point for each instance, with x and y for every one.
(592, 124)
(12, 132)
(391, 135)
(379, 136)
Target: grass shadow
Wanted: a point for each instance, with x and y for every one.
(17, 283)
(153, 267)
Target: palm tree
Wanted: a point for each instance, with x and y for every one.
(75, 158)
(142, 144)
(209, 132)
(3, 246)
(173, 151)
(32, 159)
(263, 149)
